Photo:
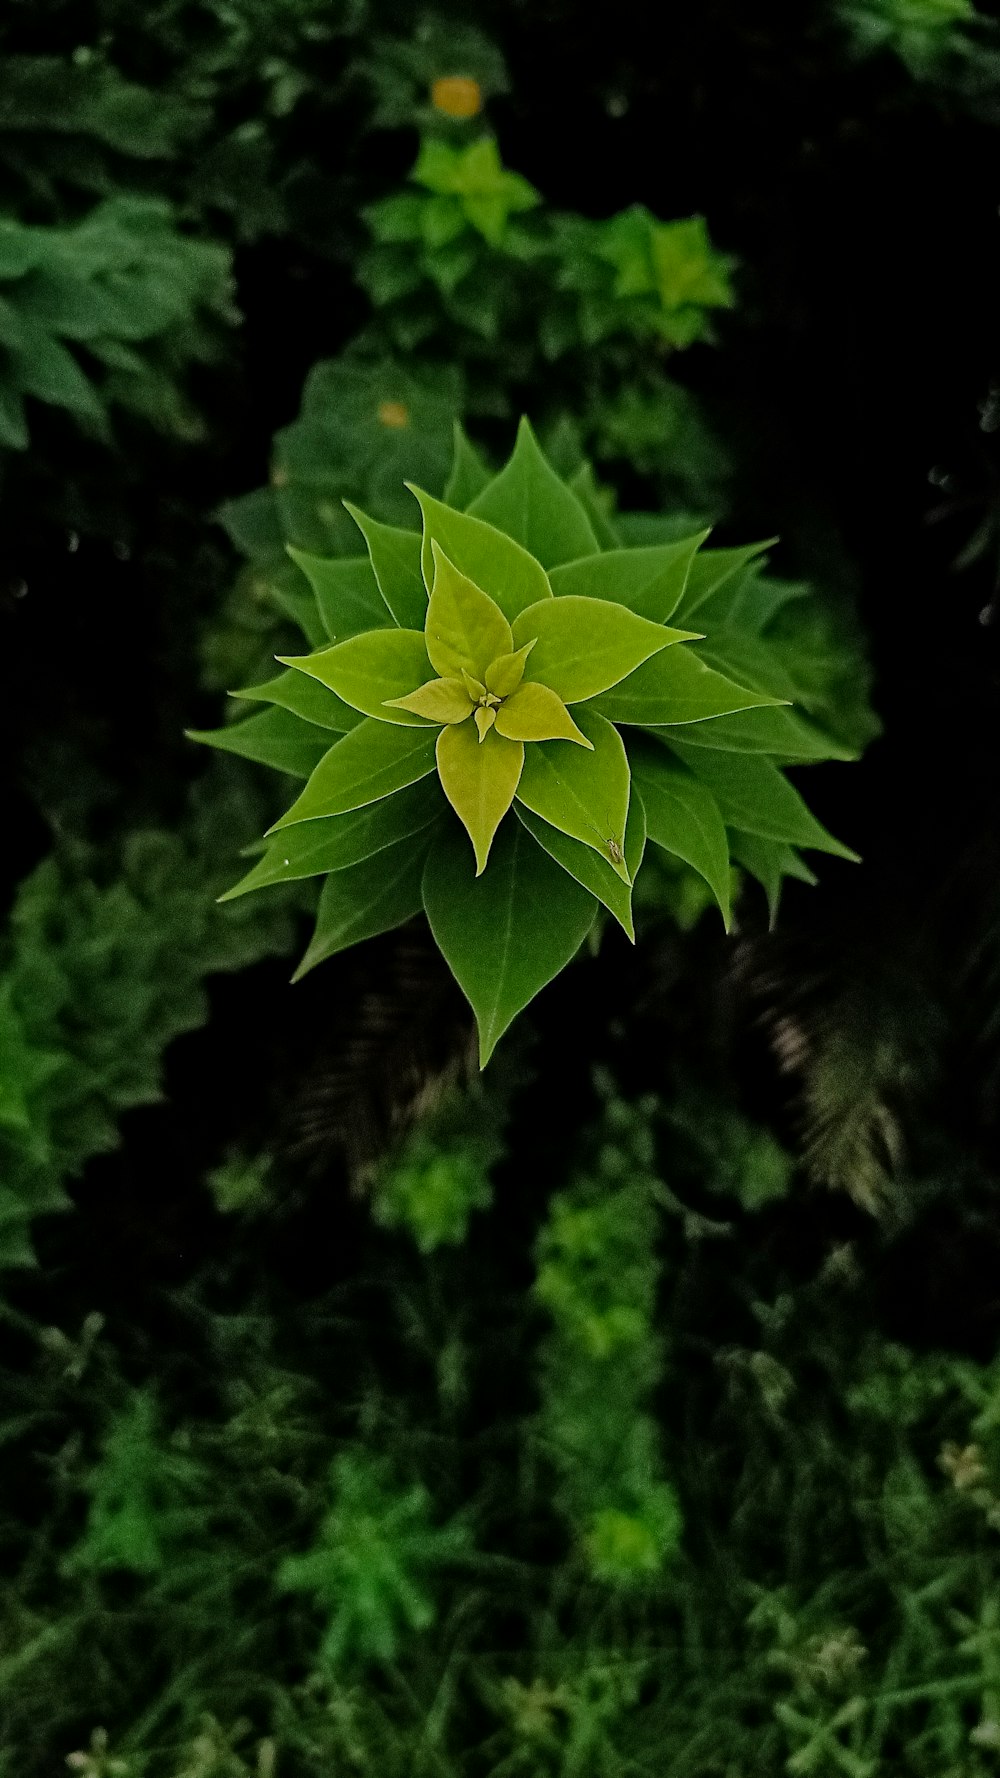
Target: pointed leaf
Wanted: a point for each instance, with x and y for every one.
(299, 603)
(753, 795)
(529, 502)
(492, 561)
(274, 737)
(591, 868)
(506, 934)
(585, 646)
(366, 899)
(347, 593)
(371, 762)
(534, 713)
(395, 558)
(338, 841)
(711, 568)
(479, 776)
(585, 795)
(306, 697)
(676, 687)
(368, 669)
(770, 862)
(649, 581)
(750, 660)
(683, 817)
(469, 474)
(778, 731)
(749, 601)
(594, 501)
(505, 674)
(440, 700)
(465, 628)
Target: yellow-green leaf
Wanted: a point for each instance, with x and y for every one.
(440, 700)
(368, 670)
(465, 628)
(504, 675)
(371, 762)
(491, 559)
(534, 713)
(479, 778)
(583, 794)
(585, 646)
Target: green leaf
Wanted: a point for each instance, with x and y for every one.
(593, 500)
(489, 193)
(469, 474)
(479, 778)
(505, 934)
(753, 796)
(529, 502)
(492, 561)
(339, 841)
(440, 700)
(299, 603)
(674, 688)
(770, 862)
(750, 660)
(505, 674)
(272, 738)
(534, 713)
(365, 899)
(585, 646)
(304, 696)
(778, 731)
(371, 762)
(711, 568)
(592, 869)
(49, 371)
(13, 425)
(585, 795)
(395, 558)
(466, 630)
(683, 817)
(347, 593)
(749, 601)
(649, 581)
(368, 669)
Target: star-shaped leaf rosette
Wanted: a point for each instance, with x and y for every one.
(512, 704)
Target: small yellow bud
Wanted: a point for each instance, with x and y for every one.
(394, 413)
(457, 95)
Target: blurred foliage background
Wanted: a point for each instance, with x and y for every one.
(635, 1410)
